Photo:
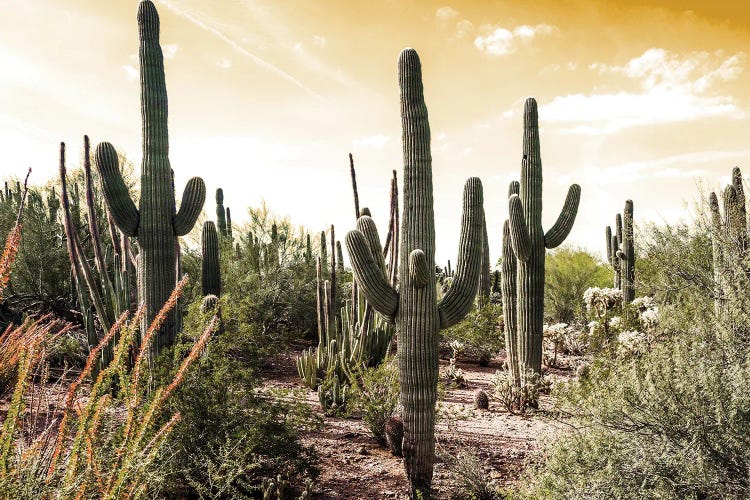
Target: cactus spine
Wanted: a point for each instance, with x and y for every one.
(530, 242)
(414, 308)
(211, 275)
(156, 222)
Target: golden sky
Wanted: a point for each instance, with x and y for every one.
(638, 99)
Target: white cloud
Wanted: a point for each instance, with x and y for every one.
(320, 41)
(373, 141)
(673, 88)
(447, 13)
(224, 63)
(131, 72)
(169, 50)
(499, 41)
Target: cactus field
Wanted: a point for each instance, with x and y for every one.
(279, 290)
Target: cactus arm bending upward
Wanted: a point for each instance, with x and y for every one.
(519, 230)
(460, 298)
(554, 237)
(191, 206)
(120, 205)
(370, 277)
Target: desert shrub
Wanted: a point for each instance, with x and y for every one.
(375, 395)
(106, 443)
(671, 421)
(568, 273)
(480, 333)
(517, 399)
(469, 479)
(232, 434)
(674, 264)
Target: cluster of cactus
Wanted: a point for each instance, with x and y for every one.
(276, 489)
(413, 306)
(223, 216)
(621, 252)
(156, 224)
(729, 238)
(345, 342)
(7, 195)
(106, 291)
(524, 249)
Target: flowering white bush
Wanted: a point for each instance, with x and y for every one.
(601, 300)
(631, 342)
(616, 323)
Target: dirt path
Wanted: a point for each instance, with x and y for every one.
(353, 466)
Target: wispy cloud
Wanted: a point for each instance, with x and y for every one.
(672, 88)
(373, 141)
(686, 165)
(169, 50)
(499, 41)
(131, 72)
(184, 13)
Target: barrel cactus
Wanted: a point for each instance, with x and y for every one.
(530, 242)
(481, 400)
(155, 222)
(414, 307)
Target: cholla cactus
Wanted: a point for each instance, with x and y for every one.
(601, 300)
(631, 342)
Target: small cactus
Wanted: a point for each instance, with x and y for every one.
(394, 435)
(209, 303)
(481, 400)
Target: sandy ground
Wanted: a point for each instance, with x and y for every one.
(353, 465)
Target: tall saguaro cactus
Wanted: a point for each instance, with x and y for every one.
(413, 307)
(530, 242)
(508, 289)
(621, 252)
(221, 220)
(156, 223)
(211, 267)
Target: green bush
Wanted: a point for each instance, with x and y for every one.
(568, 273)
(232, 434)
(376, 395)
(481, 333)
(673, 422)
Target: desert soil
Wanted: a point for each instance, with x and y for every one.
(354, 466)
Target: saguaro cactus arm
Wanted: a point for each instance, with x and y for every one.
(557, 233)
(460, 298)
(519, 230)
(419, 269)
(116, 195)
(608, 236)
(367, 226)
(190, 208)
(369, 275)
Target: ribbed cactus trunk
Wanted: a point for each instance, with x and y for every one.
(529, 242)
(155, 222)
(508, 276)
(221, 220)
(417, 315)
(614, 243)
(627, 256)
(211, 266)
(484, 286)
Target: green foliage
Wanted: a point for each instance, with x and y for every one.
(675, 265)
(375, 394)
(232, 434)
(481, 333)
(569, 272)
(469, 478)
(670, 420)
